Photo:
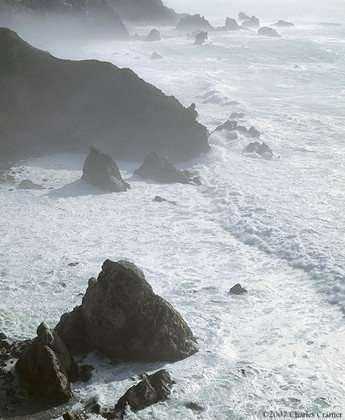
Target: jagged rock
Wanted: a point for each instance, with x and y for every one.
(27, 184)
(122, 317)
(145, 12)
(154, 35)
(237, 115)
(61, 18)
(156, 56)
(231, 25)
(266, 31)
(46, 367)
(261, 149)
(229, 125)
(160, 169)
(253, 132)
(71, 416)
(284, 24)
(100, 170)
(251, 23)
(150, 390)
(66, 105)
(201, 38)
(237, 290)
(194, 22)
(243, 16)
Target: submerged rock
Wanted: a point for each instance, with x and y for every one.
(194, 406)
(100, 170)
(122, 317)
(154, 35)
(251, 23)
(266, 31)
(46, 367)
(261, 149)
(155, 56)
(284, 24)
(194, 22)
(150, 390)
(201, 38)
(160, 169)
(159, 199)
(237, 290)
(27, 184)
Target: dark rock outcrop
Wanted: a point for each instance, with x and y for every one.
(261, 149)
(194, 22)
(122, 317)
(62, 18)
(156, 56)
(159, 199)
(283, 24)
(100, 170)
(237, 290)
(71, 416)
(154, 35)
(194, 406)
(48, 105)
(266, 31)
(145, 12)
(160, 169)
(150, 390)
(251, 23)
(46, 367)
(243, 16)
(27, 184)
(201, 38)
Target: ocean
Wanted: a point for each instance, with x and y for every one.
(274, 225)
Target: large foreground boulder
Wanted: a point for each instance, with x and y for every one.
(122, 317)
(46, 367)
(48, 105)
(100, 170)
(62, 18)
(150, 390)
(160, 169)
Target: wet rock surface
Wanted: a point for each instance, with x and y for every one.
(237, 290)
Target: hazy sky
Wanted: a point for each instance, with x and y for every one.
(270, 9)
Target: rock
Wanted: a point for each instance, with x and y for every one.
(237, 115)
(62, 18)
(284, 24)
(242, 129)
(266, 31)
(231, 25)
(3, 336)
(159, 199)
(161, 170)
(66, 105)
(261, 149)
(73, 264)
(150, 390)
(122, 317)
(29, 185)
(229, 125)
(145, 12)
(71, 416)
(194, 406)
(100, 170)
(243, 16)
(194, 22)
(85, 373)
(155, 56)
(251, 23)
(201, 38)
(253, 132)
(46, 367)
(154, 35)
(237, 290)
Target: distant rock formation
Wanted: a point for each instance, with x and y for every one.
(201, 38)
(100, 170)
(231, 25)
(46, 367)
(67, 105)
(152, 389)
(61, 18)
(156, 56)
(154, 35)
(261, 149)
(122, 317)
(251, 23)
(145, 12)
(160, 169)
(266, 31)
(194, 22)
(283, 24)
(243, 16)
(232, 125)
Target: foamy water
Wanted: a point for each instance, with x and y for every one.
(276, 226)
